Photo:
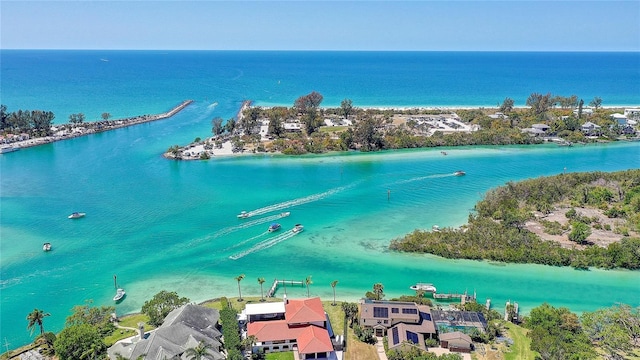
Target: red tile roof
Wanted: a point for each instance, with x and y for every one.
(304, 311)
(272, 330)
(314, 339)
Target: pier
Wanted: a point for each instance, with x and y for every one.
(284, 284)
(464, 297)
(70, 131)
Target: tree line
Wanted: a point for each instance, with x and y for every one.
(496, 230)
(372, 129)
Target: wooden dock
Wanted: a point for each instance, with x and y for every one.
(464, 297)
(284, 283)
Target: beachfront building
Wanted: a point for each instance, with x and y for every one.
(591, 129)
(295, 325)
(402, 322)
(632, 114)
(184, 328)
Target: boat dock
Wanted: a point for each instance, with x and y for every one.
(284, 283)
(464, 297)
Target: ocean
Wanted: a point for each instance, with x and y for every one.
(168, 225)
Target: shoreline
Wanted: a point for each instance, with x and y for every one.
(95, 127)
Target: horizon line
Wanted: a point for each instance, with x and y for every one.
(321, 50)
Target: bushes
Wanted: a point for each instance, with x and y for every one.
(496, 233)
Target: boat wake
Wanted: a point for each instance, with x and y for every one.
(435, 176)
(297, 202)
(246, 241)
(264, 244)
(231, 229)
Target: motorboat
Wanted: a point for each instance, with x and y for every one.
(46, 246)
(243, 215)
(459, 173)
(76, 215)
(8, 149)
(297, 228)
(423, 287)
(285, 214)
(120, 293)
(435, 228)
(274, 227)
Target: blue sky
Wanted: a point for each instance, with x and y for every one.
(323, 25)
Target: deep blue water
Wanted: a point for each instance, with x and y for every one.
(165, 225)
(125, 83)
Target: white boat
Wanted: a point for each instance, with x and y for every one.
(76, 215)
(285, 214)
(459, 173)
(424, 287)
(297, 229)
(243, 215)
(435, 228)
(7, 149)
(46, 246)
(120, 293)
(274, 227)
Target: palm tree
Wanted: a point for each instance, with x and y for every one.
(201, 351)
(261, 281)
(35, 318)
(378, 289)
(308, 282)
(333, 285)
(238, 279)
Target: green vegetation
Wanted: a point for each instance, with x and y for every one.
(32, 122)
(161, 305)
(496, 232)
(81, 341)
(521, 348)
(231, 331)
(374, 129)
(557, 334)
(280, 356)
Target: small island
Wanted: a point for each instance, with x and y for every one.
(578, 219)
(308, 128)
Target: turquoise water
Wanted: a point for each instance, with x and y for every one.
(161, 224)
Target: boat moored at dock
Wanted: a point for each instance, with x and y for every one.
(428, 287)
(120, 294)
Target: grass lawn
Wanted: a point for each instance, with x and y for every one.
(128, 321)
(521, 348)
(280, 356)
(238, 305)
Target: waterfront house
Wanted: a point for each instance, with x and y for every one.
(184, 328)
(543, 127)
(632, 114)
(300, 326)
(456, 341)
(619, 119)
(402, 322)
(591, 129)
(292, 126)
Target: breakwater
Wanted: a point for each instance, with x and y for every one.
(70, 131)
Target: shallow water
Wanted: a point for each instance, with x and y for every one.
(170, 225)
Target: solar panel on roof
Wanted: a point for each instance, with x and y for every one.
(396, 338)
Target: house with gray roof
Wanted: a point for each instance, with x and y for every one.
(184, 328)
